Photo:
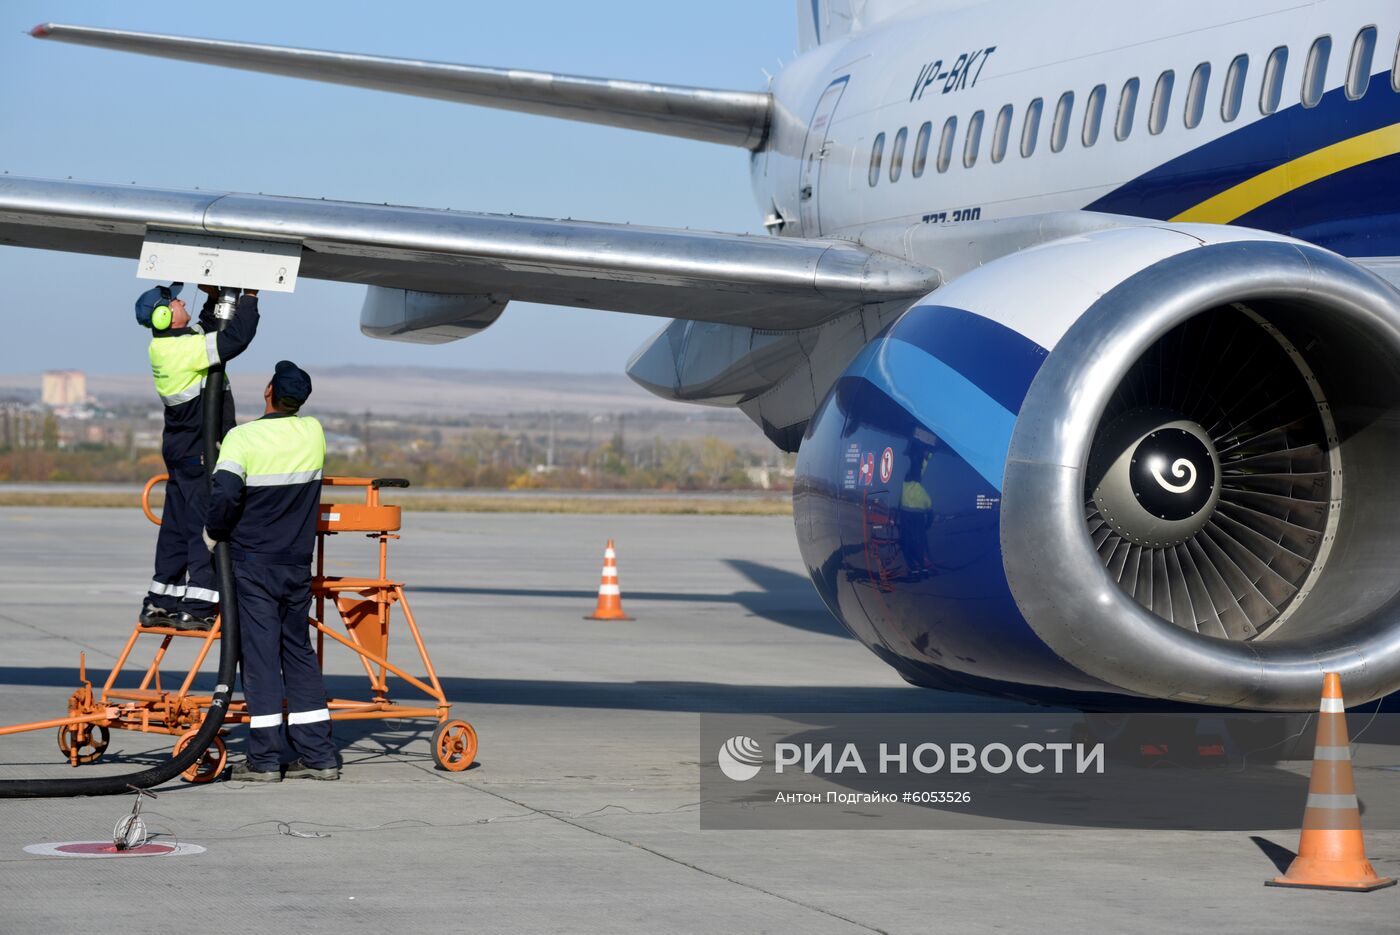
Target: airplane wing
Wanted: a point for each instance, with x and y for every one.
(483, 260)
(736, 118)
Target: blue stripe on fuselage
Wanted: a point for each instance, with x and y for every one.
(1207, 170)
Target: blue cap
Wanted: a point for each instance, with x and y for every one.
(290, 382)
(153, 298)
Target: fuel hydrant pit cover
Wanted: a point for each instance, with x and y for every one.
(108, 849)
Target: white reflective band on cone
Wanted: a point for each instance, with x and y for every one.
(309, 717)
(1332, 753)
(609, 553)
(259, 721)
(609, 589)
(1332, 706)
(609, 573)
(1323, 800)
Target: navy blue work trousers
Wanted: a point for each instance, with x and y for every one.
(184, 578)
(279, 664)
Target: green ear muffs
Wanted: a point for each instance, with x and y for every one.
(160, 317)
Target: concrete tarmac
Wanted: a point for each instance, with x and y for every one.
(581, 815)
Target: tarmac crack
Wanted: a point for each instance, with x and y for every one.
(663, 856)
(67, 639)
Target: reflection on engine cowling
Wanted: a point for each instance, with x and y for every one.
(898, 499)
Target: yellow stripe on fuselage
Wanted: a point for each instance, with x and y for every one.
(1266, 186)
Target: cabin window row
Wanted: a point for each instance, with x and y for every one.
(1358, 77)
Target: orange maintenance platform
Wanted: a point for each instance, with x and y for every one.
(363, 606)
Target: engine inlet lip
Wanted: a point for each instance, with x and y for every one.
(1051, 564)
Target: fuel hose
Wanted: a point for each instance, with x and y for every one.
(212, 402)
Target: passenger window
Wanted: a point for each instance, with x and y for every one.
(1059, 130)
(1363, 52)
(1093, 115)
(1127, 106)
(1030, 130)
(945, 143)
(1271, 90)
(1234, 88)
(974, 139)
(1000, 133)
(1395, 70)
(1196, 95)
(1315, 71)
(877, 153)
(921, 149)
(1161, 102)
(897, 154)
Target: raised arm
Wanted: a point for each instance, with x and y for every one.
(239, 332)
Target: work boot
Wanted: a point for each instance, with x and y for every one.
(153, 616)
(299, 770)
(188, 621)
(242, 772)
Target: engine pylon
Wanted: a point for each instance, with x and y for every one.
(609, 594)
(1331, 851)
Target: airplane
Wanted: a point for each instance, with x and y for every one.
(1081, 318)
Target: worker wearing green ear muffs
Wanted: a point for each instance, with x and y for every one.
(184, 591)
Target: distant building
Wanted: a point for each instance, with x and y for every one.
(347, 445)
(64, 388)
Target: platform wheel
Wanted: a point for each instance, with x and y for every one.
(89, 740)
(208, 767)
(454, 745)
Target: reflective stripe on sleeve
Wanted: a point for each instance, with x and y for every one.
(309, 717)
(233, 467)
(184, 396)
(259, 721)
(282, 480)
(211, 347)
(202, 594)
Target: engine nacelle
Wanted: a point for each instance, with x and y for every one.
(1154, 461)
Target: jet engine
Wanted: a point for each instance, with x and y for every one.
(1159, 461)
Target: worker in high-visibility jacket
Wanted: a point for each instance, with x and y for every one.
(265, 501)
(184, 592)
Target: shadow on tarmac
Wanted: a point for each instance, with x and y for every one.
(1281, 856)
(785, 598)
(692, 697)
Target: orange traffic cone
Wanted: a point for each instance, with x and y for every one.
(609, 594)
(1331, 852)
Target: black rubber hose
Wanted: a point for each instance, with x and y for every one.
(213, 400)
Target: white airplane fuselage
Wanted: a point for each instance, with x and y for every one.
(925, 69)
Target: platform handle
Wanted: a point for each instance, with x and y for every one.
(146, 497)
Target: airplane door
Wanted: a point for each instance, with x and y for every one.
(814, 153)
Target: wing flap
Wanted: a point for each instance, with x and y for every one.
(762, 282)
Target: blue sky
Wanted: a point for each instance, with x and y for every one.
(94, 114)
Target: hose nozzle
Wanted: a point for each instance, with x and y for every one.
(228, 300)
